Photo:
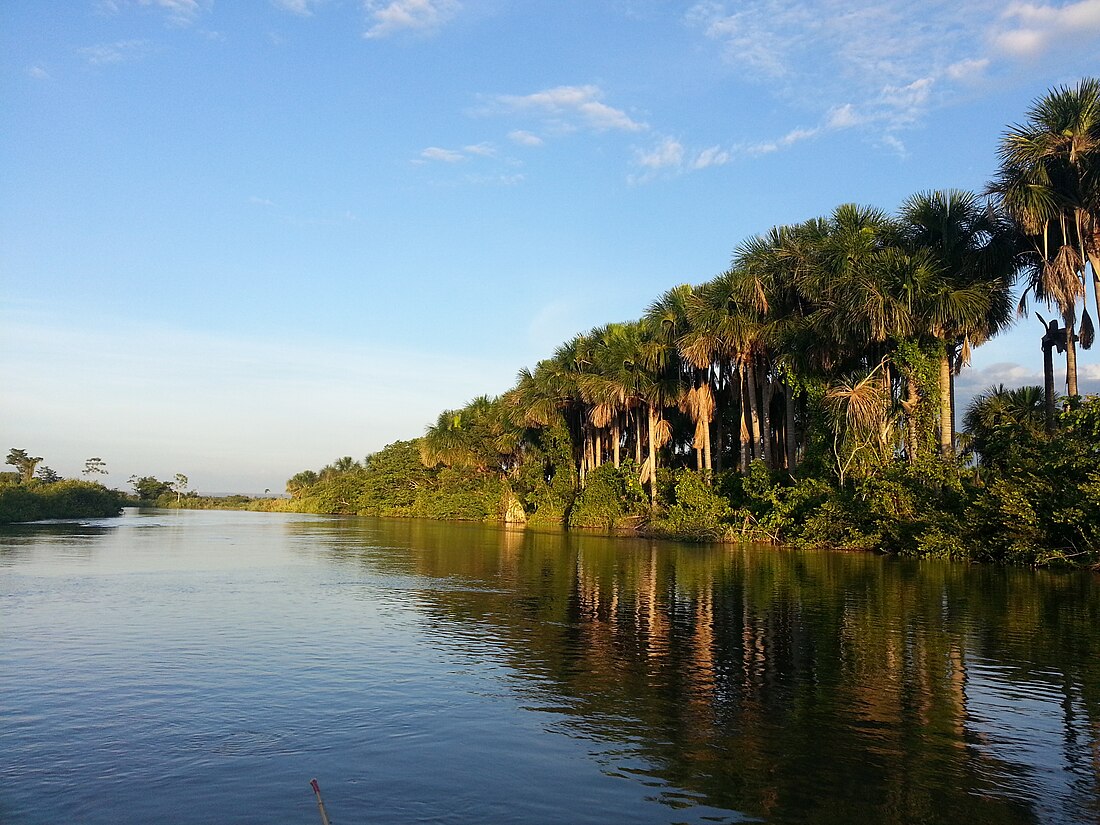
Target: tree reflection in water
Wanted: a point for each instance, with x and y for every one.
(791, 686)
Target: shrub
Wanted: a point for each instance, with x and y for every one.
(612, 498)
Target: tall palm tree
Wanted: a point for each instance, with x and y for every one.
(964, 296)
(1049, 182)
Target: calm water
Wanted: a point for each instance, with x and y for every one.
(191, 667)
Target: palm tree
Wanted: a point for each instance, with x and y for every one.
(963, 298)
(679, 320)
(481, 436)
(998, 418)
(1049, 182)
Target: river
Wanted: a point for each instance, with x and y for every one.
(201, 667)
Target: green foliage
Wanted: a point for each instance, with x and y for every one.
(546, 479)
(62, 499)
(697, 511)
(46, 475)
(392, 479)
(612, 498)
(23, 463)
(1042, 500)
(461, 495)
(148, 488)
(769, 506)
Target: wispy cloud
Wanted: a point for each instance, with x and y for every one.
(38, 73)
(1030, 30)
(439, 154)
(391, 17)
(484, 150)
(121, 51)
(524, 138)
(258, 201)
(669, 153)
(303, 8)
(179, 12)
(670, 157)
(856, 62)
(567, 109)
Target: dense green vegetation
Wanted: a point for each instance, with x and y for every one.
(806, 395)
(34, 492)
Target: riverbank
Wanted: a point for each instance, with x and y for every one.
(1042, 508)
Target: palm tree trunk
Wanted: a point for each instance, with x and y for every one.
(754, 407)
(745, 457)
(768, 390)
(791, 434)
(597, 447)
(638, 440)
(947, 447)
(706, 447)
(616, 434)
(652, 456)
(1048, 378)
(719, 435)
(1071, 359)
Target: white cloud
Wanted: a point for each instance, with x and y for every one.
(473, 152)
(895, 143)
(180, 12)
(880, 63)
(568, 108)
(1029, 30)
(484, 150)
(967, 70)
(261, 201)
(842, 117)
(38, 73)
(668, 153)
(711, 156)
(790, 139)
(299, 7)
(524, 138)
(445, 155)
(393, 16)
(121, 51)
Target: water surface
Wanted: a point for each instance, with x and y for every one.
(189, 667)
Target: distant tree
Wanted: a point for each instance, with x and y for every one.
(94, 465)
(47, 475)
(180, 486)
(24, 463)
(148, 488)
(299, 483)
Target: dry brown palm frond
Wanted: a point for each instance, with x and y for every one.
(860, 404)
(705, 403)
(964, 355)
(1061, 278)
(1087, 333)
(601, 416)
(662, 433)
(687, 403)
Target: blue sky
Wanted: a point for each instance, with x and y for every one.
(240, 239)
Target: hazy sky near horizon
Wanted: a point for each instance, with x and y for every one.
(241, 239)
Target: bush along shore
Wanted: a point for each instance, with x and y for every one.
(38, 500)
